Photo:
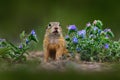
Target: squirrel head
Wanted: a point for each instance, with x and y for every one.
(54, 29)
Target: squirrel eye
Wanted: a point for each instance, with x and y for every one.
(59, 24)
(49, 25)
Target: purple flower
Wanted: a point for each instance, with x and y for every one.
(20, 46)
(66, 37)
(95, 28)
(72, 27)
(88, 24)
(82, 33)
(107, 30)
(33, 33)
(106, 46)
(107, 37)
(75, 40)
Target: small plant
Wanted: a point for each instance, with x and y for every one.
(17, 53)
(93, 43)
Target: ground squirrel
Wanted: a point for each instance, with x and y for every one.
(54, 43)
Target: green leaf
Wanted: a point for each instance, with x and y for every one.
(22, 35)
(99, 24)
(12, 46)
(34, 38)
(87, 28)
(4, 50)
(110, 33)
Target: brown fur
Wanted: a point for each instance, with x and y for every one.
(54, 44)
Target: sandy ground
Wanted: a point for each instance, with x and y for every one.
(64, 65)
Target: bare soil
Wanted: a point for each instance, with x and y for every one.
(64, 65)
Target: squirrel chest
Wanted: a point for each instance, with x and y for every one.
(53, 43)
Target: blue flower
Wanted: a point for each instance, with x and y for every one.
(33, 33)
(72, 27)
(27, 41)
(82, 33)
(99, 31)
(75, 40)
(20, 46)
(78, 49)
(88, 24)
(95, 28)
(106, 46)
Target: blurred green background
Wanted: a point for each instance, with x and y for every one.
(19, 15)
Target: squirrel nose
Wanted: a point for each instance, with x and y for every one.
(56, 28)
